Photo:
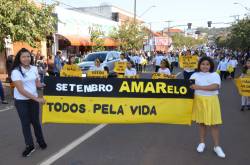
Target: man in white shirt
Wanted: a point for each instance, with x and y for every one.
(157, 61)
(233, 62)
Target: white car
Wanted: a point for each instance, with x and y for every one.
(107, 59)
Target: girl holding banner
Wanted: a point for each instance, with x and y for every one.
(245, 100)
(97, 66)
(164, 68)
(26, 80)
(130, 71)
(206, 108)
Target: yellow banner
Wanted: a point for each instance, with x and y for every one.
(162, 76)
(120, 67)
(123, 76)
(97, 74)
(71, 71)
(243, 86)
(190, 62)
(113, 100)
(116, 110)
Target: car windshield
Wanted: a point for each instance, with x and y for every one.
(94, 56)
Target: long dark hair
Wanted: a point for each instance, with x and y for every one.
(205, 58)
(244, 69)
(167, 65)
(17, 61)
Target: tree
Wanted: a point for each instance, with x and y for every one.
(179, 41)
(96, 37)
(130, 36)
(25, 21)
(240, 35)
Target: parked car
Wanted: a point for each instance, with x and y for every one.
(107, 59)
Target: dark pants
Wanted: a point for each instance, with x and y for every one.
(140, 67)
(144, 67)
(28, 112)
(1, 92)
(187, 75)
(137, 67)
(57, 74)
(42, 78)
(157, 68)
(223, 74)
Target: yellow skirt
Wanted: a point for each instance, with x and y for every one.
(206, 110)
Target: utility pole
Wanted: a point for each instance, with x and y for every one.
(134, 11)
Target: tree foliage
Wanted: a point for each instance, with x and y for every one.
(130, 36)
(25, 21)
(96, 37)
(238, 37)
(180, 40)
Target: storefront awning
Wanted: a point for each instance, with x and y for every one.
(85, 41)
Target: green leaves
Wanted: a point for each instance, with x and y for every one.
(25, 21)
(129, 35)
(179, 41)
(238, 37)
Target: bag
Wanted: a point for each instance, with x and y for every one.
(218, 71)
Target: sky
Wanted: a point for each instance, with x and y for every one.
(180, 12)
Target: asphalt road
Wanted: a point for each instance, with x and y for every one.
(139, 144)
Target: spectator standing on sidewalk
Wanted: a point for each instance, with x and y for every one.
(58, 63)
(26, 80)
(42, 68)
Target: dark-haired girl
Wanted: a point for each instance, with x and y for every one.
(26, 80)
(206, 107)
(164, 68)
(130, 70)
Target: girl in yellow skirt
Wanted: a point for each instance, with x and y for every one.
(206, 108)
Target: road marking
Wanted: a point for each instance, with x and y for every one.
(72, 145)
(7, 108)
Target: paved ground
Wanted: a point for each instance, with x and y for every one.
(141, 144)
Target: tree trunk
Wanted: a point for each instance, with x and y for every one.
(3, 71)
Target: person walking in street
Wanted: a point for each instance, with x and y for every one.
(58, 63)
(157, 61)
(222, 67)
(233, 63)
(26, 81)
(188, 71)
(245, 100)
(206, 106)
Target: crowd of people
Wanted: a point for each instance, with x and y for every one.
(28, 72)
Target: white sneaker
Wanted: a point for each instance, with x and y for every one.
(201, 147)
(218, 150)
